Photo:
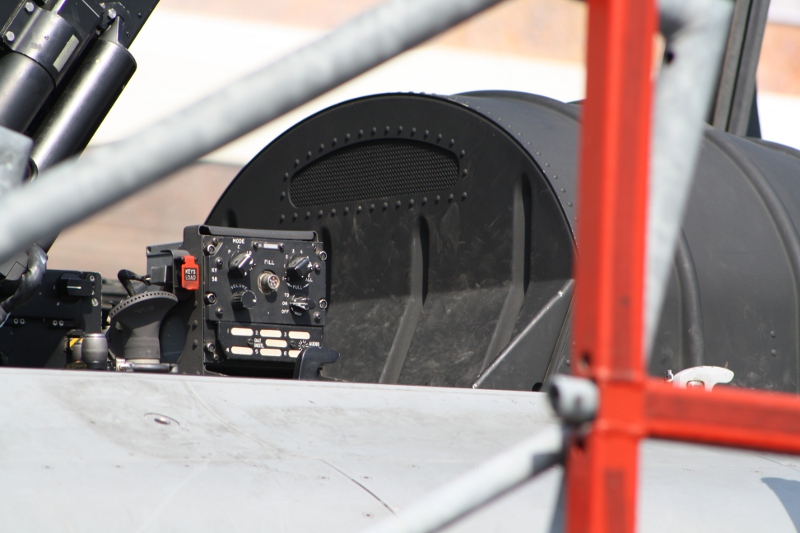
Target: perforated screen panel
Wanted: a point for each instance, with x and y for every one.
(376, 169)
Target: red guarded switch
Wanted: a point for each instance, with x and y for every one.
(190, 273)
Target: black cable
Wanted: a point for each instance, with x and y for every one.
(127, 277)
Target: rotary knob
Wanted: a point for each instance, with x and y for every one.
(298, 269)
(243, 299)
(300, 305)
(241, 264)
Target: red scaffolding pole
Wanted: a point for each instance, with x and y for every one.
(601, 466)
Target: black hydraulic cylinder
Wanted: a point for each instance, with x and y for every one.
(24, 87)
(80, 109)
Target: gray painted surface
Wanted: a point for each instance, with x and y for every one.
(81, 451)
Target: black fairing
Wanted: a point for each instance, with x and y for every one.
(430, 285)
(450, 224)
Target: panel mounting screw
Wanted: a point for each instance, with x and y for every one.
(29, 7)
(10, 36)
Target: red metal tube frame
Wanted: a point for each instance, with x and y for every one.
(601, 467)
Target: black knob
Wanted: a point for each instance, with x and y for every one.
(243, 299)
(241, 264)
(298, 269)
(300, 304)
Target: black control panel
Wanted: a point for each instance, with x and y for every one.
(66, 305)
(249, 301)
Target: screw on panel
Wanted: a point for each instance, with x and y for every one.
(219, 311)
(112, 14)
(317, 317)
(29, 7)
(210, 347)
(210, 249)
(211, 298)
(323, 255)
(323, 303)
(10, 36)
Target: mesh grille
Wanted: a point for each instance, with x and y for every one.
(376, 169)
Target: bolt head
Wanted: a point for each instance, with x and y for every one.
(10, 36)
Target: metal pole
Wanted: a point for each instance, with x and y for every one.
(75, 189)
(479, 486)
(601, 467)
(695, 32)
